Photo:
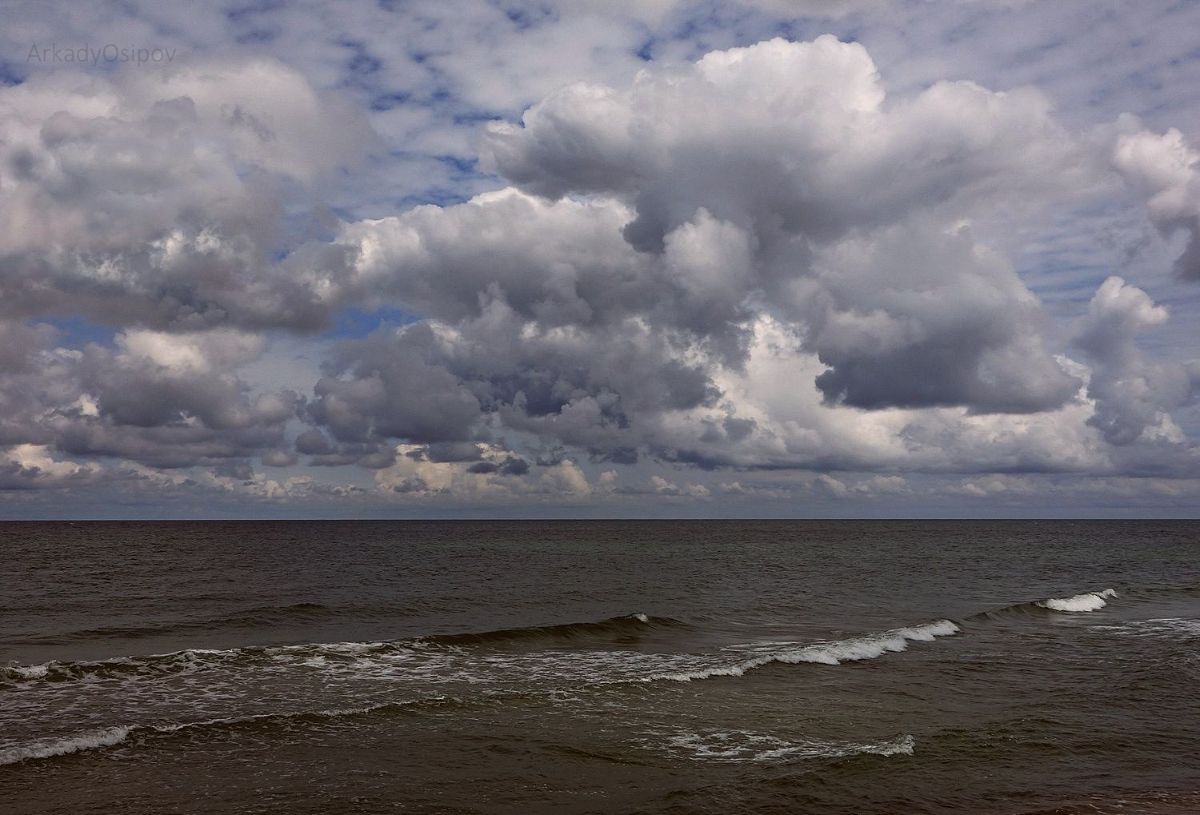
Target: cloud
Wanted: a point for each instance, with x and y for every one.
(782, 137)
(1166, 169)
(31, 466)
(393, 388)
(619, 301)
(662, 486)
(1133, 395)
(837, 210)
(675, 251)
(168, 400)
(992, 485)
(914, 316)
(787, 269)
(491, 474)
(161, 198)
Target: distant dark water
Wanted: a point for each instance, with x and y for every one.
(578, 667)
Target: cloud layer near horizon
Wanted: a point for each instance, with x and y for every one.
(753, 276)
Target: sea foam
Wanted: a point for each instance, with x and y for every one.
(836, 652)
(61, 747)
(744, 746)
(322, 655)
(108, 737)
(1089, 601)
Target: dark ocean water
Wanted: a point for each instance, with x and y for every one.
(578, 667)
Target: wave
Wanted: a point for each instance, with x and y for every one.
(193, 660)
(176, 662)
(1169, 627)
(1087, 601)
(112, 736)
(622, 628)
(853, 649)
(614, 629)
(1090, 601)
(744, 746)
(245, 618)
(65, 746)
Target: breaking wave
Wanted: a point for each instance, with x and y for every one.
(624, 629)
(111, 736)
(743, 746)
(49, 748)
(152, 665)
(825, 653)
(1090, 601)
(614, 629)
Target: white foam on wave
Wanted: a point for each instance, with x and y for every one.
(1089, 601)
(108, 737)
(28, 671)
(61, 747)
(448, 666)
(823, 653)
(1168, 627)
(745, 746)
(191, 660)
(333, 656)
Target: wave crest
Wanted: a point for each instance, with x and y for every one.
(614, 629)
(853, 649)
(49, 748)
(743, 746)
(109, 737)
(621, 628)
(1089, 601)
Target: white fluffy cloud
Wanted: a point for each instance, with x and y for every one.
(1166, 169)
(1134, 395)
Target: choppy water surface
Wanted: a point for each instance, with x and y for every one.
(649, 667)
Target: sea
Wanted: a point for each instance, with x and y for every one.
(817, 667)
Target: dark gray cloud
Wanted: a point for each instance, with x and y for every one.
(919, 317)
(391, 387)
(165, 400)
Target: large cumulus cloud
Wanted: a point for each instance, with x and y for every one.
(848, 207)
(659, 233)
(784, 137)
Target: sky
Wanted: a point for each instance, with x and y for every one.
(600, 258)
